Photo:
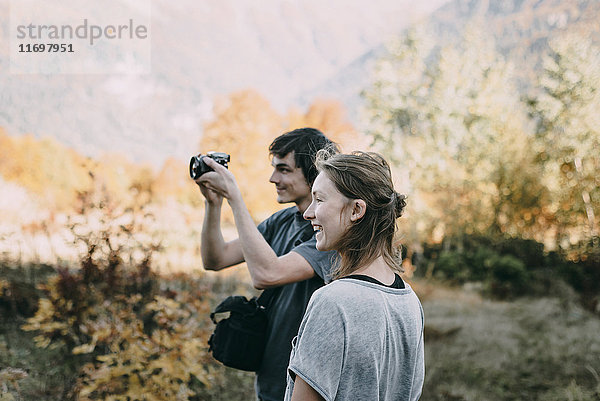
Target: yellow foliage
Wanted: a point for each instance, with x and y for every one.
(173, 181)
(155, 367)
(59, 174)
(329, 117)
(44, 167)
(244, 126)
(144, 347)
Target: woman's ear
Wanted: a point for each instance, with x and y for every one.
(359, 207)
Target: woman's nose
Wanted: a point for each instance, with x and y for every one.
(308, 213)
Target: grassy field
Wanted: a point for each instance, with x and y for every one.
(530, 349)
(476, 349)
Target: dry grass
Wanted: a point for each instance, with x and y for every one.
(530, 349)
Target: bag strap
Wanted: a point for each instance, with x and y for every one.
(243, 305)
(267, 296)
(236, 303)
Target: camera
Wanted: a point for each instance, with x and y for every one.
(198, 167)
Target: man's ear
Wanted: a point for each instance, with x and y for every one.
(359, 207)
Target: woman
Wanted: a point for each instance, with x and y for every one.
(361, 337)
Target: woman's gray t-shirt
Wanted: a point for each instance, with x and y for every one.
(360, 341)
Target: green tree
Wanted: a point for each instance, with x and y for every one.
(568, 134)
(452, 120)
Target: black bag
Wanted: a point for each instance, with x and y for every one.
(239, 340)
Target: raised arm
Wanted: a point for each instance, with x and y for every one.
(265, 267)
(216, 253)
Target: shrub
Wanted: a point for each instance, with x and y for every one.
(508, 277)
(480, 262)
(451, 265)
(129, 338)
(164, 363)
(530, 252)
(581, 270)
(18, 294)
(504, 265)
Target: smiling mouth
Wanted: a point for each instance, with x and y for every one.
(317, 228)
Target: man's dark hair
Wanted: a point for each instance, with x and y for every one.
(305, 143)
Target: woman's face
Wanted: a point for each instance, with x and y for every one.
(329, 212)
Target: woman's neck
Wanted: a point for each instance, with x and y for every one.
(379, 270)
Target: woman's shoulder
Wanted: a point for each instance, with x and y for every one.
(336, 287)
(333, 300)
(339, 290)
(347, 290)
(332, 292)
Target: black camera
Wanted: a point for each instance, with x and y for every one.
(198, 167)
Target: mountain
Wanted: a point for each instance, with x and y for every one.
(199, 50)
(291, 51)
(521, 29)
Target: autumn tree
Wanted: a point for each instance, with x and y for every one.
(58, 174)
(243, 126)
(173, 181)
(329, 116)
(44, 167)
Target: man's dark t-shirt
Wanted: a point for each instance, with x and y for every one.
(287, 231)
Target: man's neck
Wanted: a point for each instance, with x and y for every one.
(303, 205)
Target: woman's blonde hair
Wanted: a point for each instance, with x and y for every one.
(366, 176)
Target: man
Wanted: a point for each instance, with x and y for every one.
(280, 253)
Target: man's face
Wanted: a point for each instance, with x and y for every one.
(290, 182)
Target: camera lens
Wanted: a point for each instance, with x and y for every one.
(194, 167)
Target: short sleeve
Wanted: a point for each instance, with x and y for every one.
(320, 261)
(264, 228)
(319, 349)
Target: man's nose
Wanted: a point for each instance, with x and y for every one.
(274, 178)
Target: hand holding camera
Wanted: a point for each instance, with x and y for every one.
(198, 167)
(217, 185)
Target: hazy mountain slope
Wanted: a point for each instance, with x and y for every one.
(521, 28)
(199, 50)
(290, 51)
